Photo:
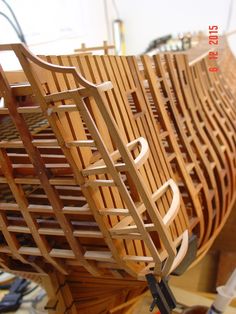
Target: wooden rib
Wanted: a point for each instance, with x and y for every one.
(76, 172)
(14, 245)
(126, 123)
(37, 109)
(225, 110)
(208, 108)
(99, 119)
(49, 190)
(105, 47)
(213, 154)
(186, 139)
(22, 202)
(118, 115)
(145, 121)
(133, 115)
(46, 143)
(135, 71)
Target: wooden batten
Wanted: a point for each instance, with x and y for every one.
(110, 166)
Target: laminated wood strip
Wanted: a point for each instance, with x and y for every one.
(54, 181)
(158, 101)
(101, 69)
(88, 65)
(87, 122)
(207, 106)
(52, 143)
(135, 83)
(141, 125)
(13, 244)
(35, 122)
(37, 109)
(151, 216)
(105, 48)
(191, 153)
(56, 232)
(70, 158)
(86, 71)
(225, 108)
(123, 111)
(226, 62)
(95, 120)
(215, 153)
(44, 178)
(214, 156)
(214, 87)
(22, 202)
(135, 71)
(126, 197)
(180, 220)
(93, 205)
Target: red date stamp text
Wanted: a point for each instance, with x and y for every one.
(213, 40)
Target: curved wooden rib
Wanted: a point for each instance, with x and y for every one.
(124, 76)
(214, 168)
(98, 177)
(100, 168)
(94, 134)
(135, 123)
(212, 152)
(182, 109)
(215, 94)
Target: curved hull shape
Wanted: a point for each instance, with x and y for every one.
(103, 183)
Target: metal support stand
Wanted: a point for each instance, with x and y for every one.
(162, 295)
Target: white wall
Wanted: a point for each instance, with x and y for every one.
(59, 26)
(148, 19)
(55, 24)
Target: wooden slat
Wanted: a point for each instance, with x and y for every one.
(188, 120)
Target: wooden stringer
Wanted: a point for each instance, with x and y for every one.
(111, 171)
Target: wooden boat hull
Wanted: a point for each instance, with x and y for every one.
(103, 183)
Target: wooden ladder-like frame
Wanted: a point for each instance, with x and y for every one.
(132, 225)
